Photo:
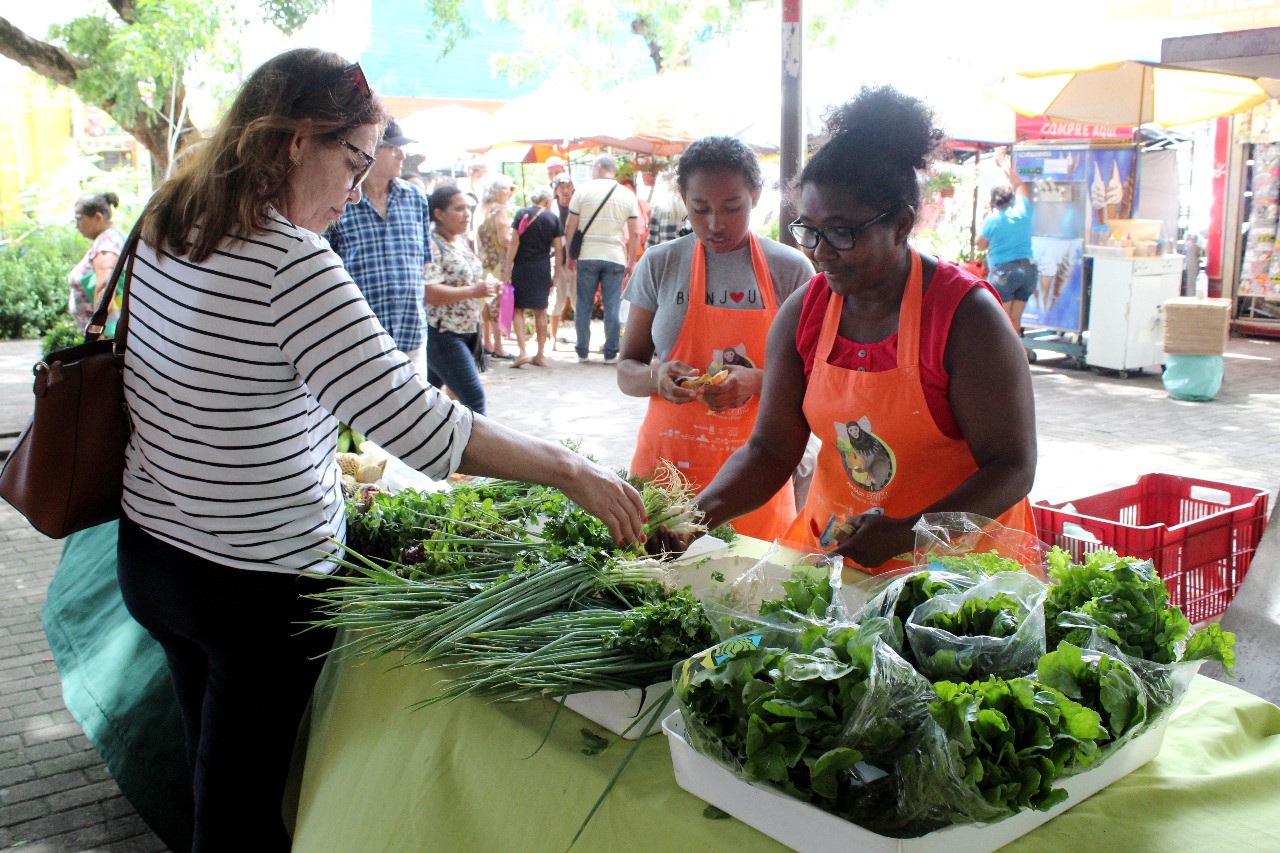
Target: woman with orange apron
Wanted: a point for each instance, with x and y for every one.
(724, 328)
(905, 368)
(885, 455)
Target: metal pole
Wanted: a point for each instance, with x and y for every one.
(792, 140)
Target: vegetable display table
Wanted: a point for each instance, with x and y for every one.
(469, 776)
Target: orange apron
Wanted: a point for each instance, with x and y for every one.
(697, 440)
(881, 450)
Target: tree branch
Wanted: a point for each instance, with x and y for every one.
(126, 10)
(43, 58)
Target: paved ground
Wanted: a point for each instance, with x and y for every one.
(1096, 432)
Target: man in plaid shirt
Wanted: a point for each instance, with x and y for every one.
(384, 242)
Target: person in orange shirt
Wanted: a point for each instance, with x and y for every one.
(904, 366)
(707, 299)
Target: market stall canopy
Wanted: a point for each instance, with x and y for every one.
(1127, 93)
(558, 115)
(446, 133)
(667, 112)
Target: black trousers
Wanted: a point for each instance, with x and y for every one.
(243, 670)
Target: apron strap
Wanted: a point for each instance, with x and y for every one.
(759, 266)
(908, 319)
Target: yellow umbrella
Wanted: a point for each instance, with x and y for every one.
(1127, 93)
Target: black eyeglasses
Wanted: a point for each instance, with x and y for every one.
(842, 238)
(364, 158)
(353, 73)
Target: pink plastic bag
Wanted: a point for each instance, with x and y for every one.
(507, 310)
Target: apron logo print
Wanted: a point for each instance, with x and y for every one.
(869, 462)
(737, 296)
(732, 355)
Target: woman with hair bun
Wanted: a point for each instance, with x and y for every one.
(93, 219)
(706, 299)
(904, 365)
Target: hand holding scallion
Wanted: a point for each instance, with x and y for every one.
(673, 518)
(610, 499)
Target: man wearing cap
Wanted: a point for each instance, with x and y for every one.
(555, 168)
(384, 242)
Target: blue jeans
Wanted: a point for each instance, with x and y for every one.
(450, 362)
(608, 277)
(1015, 281)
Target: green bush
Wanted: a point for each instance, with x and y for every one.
(64, 334)
(34, 263)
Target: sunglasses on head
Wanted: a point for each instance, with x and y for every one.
(353, 73)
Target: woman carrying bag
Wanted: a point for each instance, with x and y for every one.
(248, 343)
(537, 234)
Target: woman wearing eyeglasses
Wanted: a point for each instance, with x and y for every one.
(706, 299)
(904, 366)
(247, 344)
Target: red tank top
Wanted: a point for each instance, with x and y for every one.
(948, 286)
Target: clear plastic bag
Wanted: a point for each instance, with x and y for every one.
(966, 535)
(1013, 604)
(735, 609)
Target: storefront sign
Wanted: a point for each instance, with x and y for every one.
(1043, 127)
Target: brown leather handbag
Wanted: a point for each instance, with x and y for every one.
(66, 473)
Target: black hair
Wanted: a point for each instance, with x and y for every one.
(440, 198)
(718, 154)
(877, 141)
(1001, 197)
(95, 203)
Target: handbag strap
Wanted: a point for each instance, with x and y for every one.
(124, 265)
(526, 221)
(603, 202)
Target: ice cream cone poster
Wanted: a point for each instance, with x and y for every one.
(1112, 184)
(1055, 302)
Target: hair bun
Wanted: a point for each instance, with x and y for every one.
(884, 123)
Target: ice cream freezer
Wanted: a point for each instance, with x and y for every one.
(1126, 311)
(1074, 188)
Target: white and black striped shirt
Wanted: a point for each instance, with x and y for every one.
(234, 372)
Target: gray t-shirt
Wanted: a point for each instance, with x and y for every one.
(660, 282)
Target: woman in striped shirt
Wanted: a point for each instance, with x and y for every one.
(248, 342)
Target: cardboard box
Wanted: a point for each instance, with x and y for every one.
(807, 829)
(1196, 326)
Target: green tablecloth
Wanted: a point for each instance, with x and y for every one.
(468, 776)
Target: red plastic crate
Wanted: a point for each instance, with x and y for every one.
(1199, 534)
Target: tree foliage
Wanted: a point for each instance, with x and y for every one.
(669, 28)
(133, 58)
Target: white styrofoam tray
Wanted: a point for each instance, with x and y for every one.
(808, 829)
(623, 712)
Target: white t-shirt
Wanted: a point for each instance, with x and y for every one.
(660, 282)
(606, 239)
